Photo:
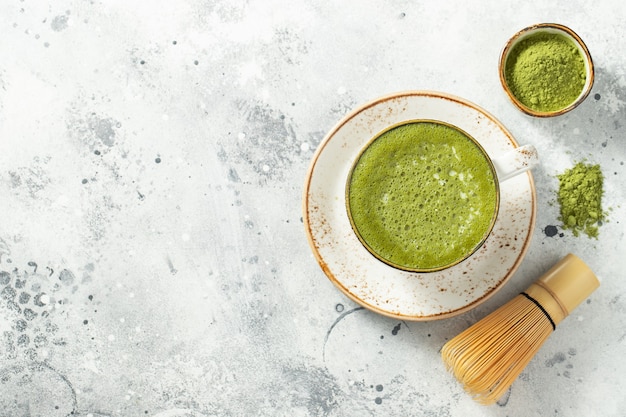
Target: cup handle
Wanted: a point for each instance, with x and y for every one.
(516, 161)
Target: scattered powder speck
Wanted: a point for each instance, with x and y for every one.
(59, 23)
(580, 199)
(551, 231)
(558, 357)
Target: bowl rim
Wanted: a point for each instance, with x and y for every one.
(548, 27)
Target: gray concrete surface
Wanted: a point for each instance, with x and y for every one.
(153, 257)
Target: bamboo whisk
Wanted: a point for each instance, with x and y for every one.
(487, 357)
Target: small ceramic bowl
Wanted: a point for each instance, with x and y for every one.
(547, 28)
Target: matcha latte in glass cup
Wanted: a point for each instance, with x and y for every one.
(423, 195)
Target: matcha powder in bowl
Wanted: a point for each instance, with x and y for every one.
(546, 70)
(580, 199)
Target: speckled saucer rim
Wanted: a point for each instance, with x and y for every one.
(325, 267)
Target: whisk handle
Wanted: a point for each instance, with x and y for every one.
(560, 290)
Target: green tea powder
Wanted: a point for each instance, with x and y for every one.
(546, 71)
(580, 198)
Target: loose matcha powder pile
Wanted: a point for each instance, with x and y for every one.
(580, 198)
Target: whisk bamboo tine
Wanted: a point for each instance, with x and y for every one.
(488, 356)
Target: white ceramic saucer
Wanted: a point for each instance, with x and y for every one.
(382, 288)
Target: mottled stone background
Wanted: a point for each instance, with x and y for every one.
(153, 260)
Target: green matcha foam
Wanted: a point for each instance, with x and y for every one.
(422, 196)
